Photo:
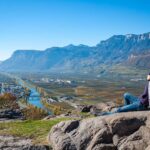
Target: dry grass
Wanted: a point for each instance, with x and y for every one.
(37, 130)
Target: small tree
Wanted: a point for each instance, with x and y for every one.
(57, 110)
(32, 112)
(8, 100)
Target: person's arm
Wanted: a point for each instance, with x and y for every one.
(144, 96)
(145, 93)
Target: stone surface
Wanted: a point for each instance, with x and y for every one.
(16, 143)
(124, 131)
(107, 106)
(10, 113)
(102, 107)
(67, 115)
(84, 108)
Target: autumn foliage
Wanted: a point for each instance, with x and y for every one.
(32, 112)
(8, 100)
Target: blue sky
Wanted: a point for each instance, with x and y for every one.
(39, 24)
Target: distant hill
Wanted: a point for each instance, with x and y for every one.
(131, 49)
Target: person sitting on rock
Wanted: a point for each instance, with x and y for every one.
(133, 103)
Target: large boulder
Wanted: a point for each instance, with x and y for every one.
(124, 131)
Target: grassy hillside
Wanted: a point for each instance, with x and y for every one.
(37, 130)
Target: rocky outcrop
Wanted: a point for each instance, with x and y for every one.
(10, 113)
(107, 106)
(16, 143)
(66, 115)
(102, 107)
(84, 108)
(124, 131)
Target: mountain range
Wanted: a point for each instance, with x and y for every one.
(130, 49)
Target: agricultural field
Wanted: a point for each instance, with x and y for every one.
(5, 79)
(92, 89)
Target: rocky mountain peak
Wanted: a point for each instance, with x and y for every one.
(115, 50)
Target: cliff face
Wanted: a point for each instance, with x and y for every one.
(124, 131)
(119, 49)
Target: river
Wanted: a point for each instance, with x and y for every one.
(34, 97)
